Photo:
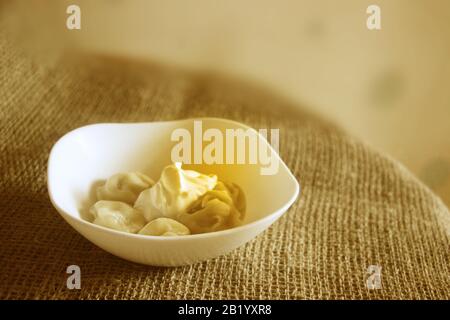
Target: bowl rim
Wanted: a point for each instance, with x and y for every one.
(276, 214)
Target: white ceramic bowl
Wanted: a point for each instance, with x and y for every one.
(95, 152)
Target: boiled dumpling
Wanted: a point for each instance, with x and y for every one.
(237, 195)
(124, 187)
(218, 209)
(118, 216)
(174, 192)
(164, 227)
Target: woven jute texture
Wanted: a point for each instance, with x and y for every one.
(357, 207)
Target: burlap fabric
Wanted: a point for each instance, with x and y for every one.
(357, 207)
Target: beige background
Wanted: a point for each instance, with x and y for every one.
(357, 207)
(388, 87)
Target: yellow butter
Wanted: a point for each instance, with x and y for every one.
(174, 192)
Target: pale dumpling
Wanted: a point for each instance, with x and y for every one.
(164, 227)
(124, 187)
(118, 216)
(174, 192)
(218, 209)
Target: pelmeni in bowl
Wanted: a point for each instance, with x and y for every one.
(181, 202)
(88, 156)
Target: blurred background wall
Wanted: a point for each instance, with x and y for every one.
(389, 87)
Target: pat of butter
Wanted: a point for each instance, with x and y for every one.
(174, 192)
